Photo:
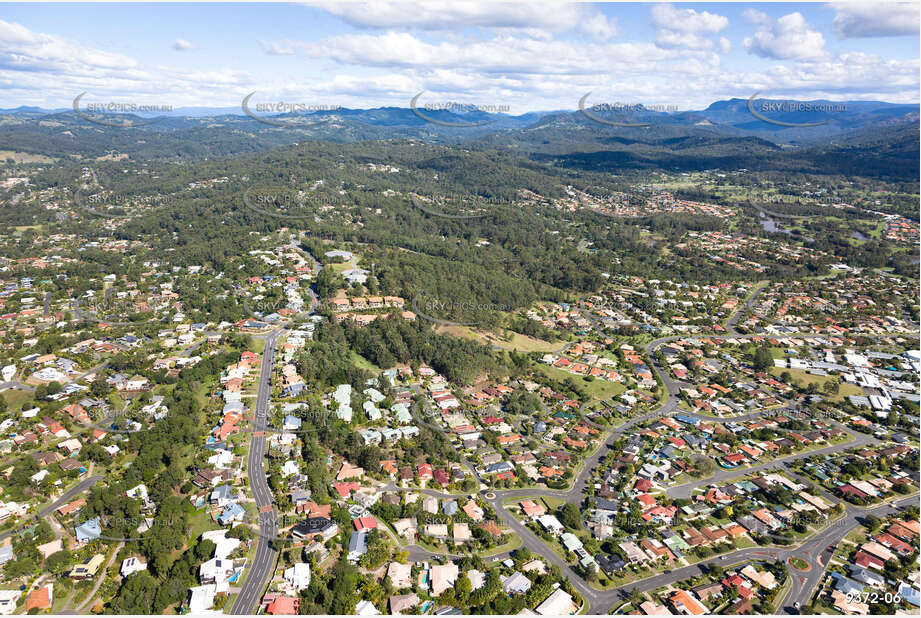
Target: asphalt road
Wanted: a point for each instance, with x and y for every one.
(264, 561)
(814, 551)
(66, 497)
(19, 386)
(743, 308)
(724, 474)
(600, 602)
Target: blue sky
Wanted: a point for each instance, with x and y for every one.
(520, 56)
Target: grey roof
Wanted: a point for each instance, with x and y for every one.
(358, 543)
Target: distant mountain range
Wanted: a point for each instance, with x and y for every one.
(733, 113)
(733, 133)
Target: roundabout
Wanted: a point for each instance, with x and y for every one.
(799, 564)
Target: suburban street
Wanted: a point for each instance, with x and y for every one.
(263, 563)
(602, 601)
(743, 308)
(724, 474)
(66, 497)
(813, 550)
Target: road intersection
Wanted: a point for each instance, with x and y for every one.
(814, 550)
(263, 565)
(264, 561)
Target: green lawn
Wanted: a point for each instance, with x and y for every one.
(508, 339)
(799, 563)
(596, 389)
(363, 363)
(514, 543)
(342, 267)
(15, 398)
(199, 523)
(802, 378)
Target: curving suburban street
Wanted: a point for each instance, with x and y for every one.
(815, 550)
(602, 601)
(263, 564)
(260, 571)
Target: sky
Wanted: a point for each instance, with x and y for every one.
(514, 57)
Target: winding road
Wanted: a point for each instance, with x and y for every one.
(813, 550)
(81, 487)
(263, 565)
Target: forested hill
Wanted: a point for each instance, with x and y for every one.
(870, 139)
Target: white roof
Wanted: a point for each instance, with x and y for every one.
(298, 575)
(366, 608)
(559, 603)
(223, 545)
(202, 599)
(550, 521)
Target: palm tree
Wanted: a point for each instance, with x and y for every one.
(635, 595)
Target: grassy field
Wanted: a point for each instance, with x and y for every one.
(24, 157)
(514, 543)
(338, 268)
(258, 345)
(596, 389)
(524, 343)
(551, 502)
(202, 394)
(802, 378)
(799, 563)
(363, 363)
(15, 398)
(517, 341)
(199, 523)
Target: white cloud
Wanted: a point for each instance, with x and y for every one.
(789, 38)
(756, 17)
(835, 79)
(182, 45)
(526, 68)
(47, 69)
(283, 47)
(685, 28)
(597, 26)
(499, 54)
(669, 39)
(878, 19)
(687, 20)
(436, 16)
(24, 50)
